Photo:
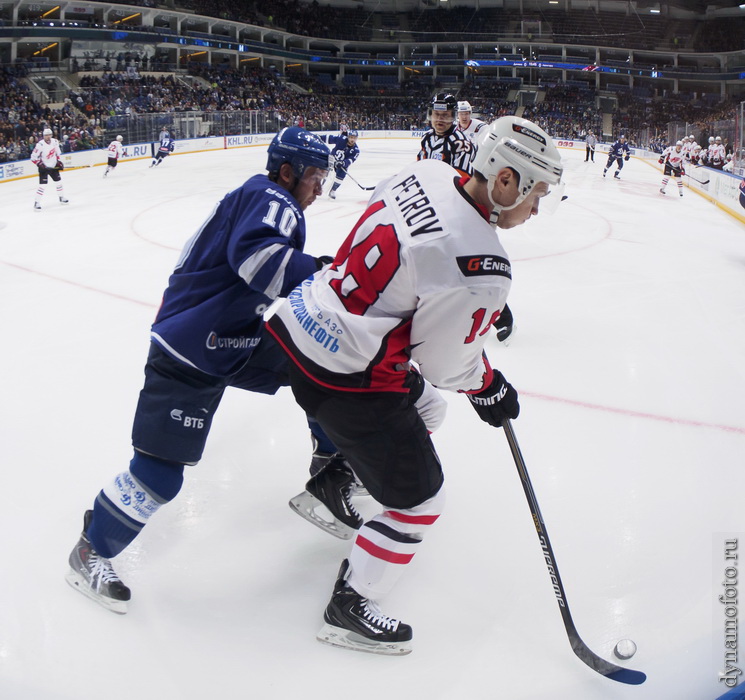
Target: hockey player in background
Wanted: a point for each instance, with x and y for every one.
(590, 143)
(166, 146)
(114, 153)
(208, 335)
(469, 126)
(47, 157)
(672, 160)
(439, 281)
(345, 151)
(717, 155)
(444, 141)
(618, 153)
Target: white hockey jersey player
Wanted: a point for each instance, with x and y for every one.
(672, 159)
(422, 276)
(47, 153)
(442, 278)
(467, 124)
(115, 149)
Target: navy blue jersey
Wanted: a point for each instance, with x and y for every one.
(343, 154)
(166, 144)
(618, 149)
(247, 253)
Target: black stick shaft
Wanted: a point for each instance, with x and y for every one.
(616, 673)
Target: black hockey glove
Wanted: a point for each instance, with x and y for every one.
(497, 402)
(323, 260)
(627, 157)
(60, 165)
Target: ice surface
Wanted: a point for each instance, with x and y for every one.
(630, 309)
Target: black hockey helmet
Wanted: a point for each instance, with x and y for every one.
(441, 102)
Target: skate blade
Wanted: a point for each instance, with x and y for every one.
(346, 639)
(80, 584)
(306, 506)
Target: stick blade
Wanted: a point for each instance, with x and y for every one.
(606, 668)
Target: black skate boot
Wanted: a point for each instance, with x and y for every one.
(354, 622)
(333, 487)
(320, 459)
(93, 575)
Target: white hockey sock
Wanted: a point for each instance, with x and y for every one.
(59, 189)
(39, 193)
(132, 497)
(387, 543)
(665, 180)
(680, 184)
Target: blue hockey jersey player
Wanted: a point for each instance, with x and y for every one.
(165, 147)
(618, 153)
(344, 152)
(206, 337)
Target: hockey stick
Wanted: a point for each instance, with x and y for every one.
(605, 668)
(367, 189)
(695, 179)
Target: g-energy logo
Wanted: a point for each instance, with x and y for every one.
(477, 265)
(529, 133)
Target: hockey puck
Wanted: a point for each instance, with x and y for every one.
(625, 649)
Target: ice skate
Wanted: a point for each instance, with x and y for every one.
(354, 622)
(332, 195)
(616, 175)
(320, 459)
(63, 200)
(330, 490)
(605, 170)
(662, 190)
(93, 575)
(37, 206)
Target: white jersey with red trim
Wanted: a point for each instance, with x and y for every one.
(674, 157)
(717, 155)
(473, 128)
(422, 276)
(46, 153)
(115, 149)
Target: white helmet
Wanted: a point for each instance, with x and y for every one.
(718, 138)
(512, 142)
(678, 143)
(120, 138)
(711, 139)
(692, 137)
(46, 132)
(464, 106)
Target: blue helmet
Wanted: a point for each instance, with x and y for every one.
(299, 148)
(352, 132)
